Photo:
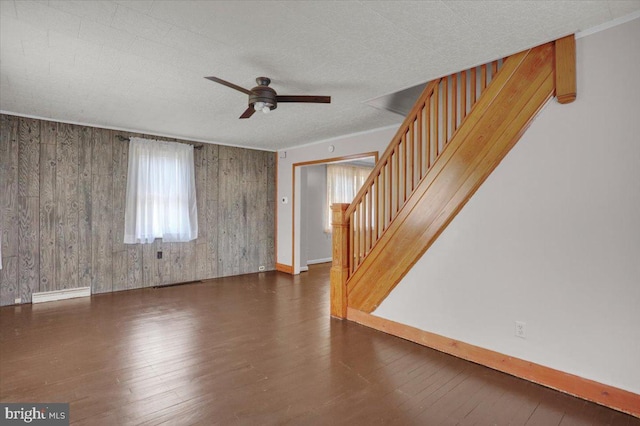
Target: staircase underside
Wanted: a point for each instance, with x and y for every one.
(495, 124)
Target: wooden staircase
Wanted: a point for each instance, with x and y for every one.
(459, 130)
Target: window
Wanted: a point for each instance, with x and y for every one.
(343, 183)
(161, 193)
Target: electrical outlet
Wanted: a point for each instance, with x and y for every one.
(521, 329)
(261, 268)
(18, 300)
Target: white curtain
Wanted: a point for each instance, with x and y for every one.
(161, 193)
(343, 183)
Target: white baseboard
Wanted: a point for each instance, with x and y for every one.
(68, 293)
(304, 268)
(316, 261)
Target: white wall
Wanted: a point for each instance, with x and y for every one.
(552, 238)
(360, 143)
(315, 244)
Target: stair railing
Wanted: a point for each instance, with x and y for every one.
(430, 125)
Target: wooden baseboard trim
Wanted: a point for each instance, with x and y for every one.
(618, 399)
(284, 268)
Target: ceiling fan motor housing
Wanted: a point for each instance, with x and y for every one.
(263, 93)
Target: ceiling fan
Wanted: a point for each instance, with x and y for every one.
(264, 98)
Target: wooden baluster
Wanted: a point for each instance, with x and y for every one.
(391, 183)
(340, 264)
(359, 235)
(373, 224)
(427, 134)
(396, 170)
(369, 227)
(408, 162)
(383, 200)
(463, 95)
(359, 242)
(365, 207)
(407, 173)
(363, 249)
(412, 155)
(352, 232)
(445, 111)
(382, 212)
(363, 232)
(362, 229)
(454, 103)
(472, 98)
(494, 69)
(354, 248)
(436, 107)
(483, 78)
(362, 235)
(354, 225)
(376, 203)
(419, 141)
(405, 166)
(402, 171)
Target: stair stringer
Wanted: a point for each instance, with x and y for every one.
(492, 128)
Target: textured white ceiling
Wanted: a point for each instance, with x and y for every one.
(139, 65)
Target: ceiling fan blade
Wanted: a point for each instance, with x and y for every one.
(226, 83)
(304, 98)
(248, 112)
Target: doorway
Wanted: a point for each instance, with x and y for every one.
(311, 244)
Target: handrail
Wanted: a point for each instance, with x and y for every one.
(420, 140)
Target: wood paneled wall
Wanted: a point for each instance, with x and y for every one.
(62, 196)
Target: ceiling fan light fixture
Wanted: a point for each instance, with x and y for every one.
(265, 107)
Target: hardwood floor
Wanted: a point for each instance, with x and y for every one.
(253, 349)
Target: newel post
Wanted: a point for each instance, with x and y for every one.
(340, 266)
